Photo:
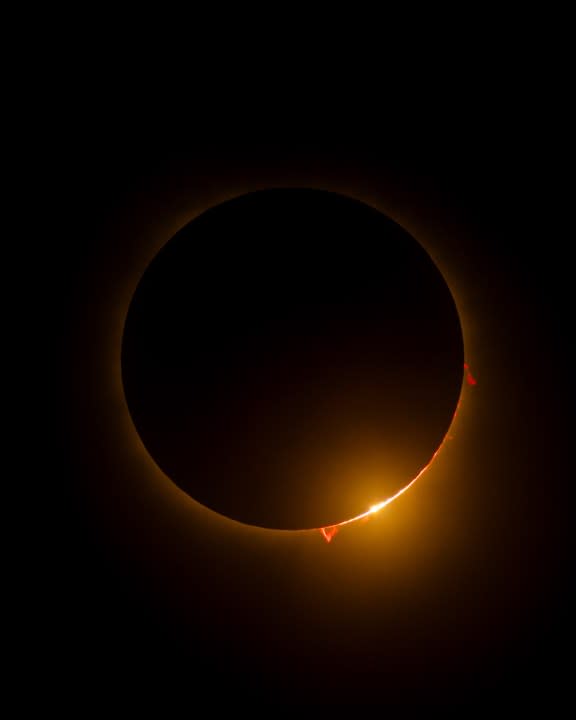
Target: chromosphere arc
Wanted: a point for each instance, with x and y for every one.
(292, 357)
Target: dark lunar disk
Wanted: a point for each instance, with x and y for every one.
(291, 357)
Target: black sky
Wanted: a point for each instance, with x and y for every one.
(474, 606)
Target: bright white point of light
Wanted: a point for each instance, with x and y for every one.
(375, 508)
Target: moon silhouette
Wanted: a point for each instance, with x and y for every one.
(291, 357)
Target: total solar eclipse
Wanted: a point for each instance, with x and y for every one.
(291, 357)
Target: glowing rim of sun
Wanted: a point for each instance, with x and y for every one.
(329, 531)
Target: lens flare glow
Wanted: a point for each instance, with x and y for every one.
(329, 532)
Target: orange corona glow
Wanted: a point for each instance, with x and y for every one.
(329, 532)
